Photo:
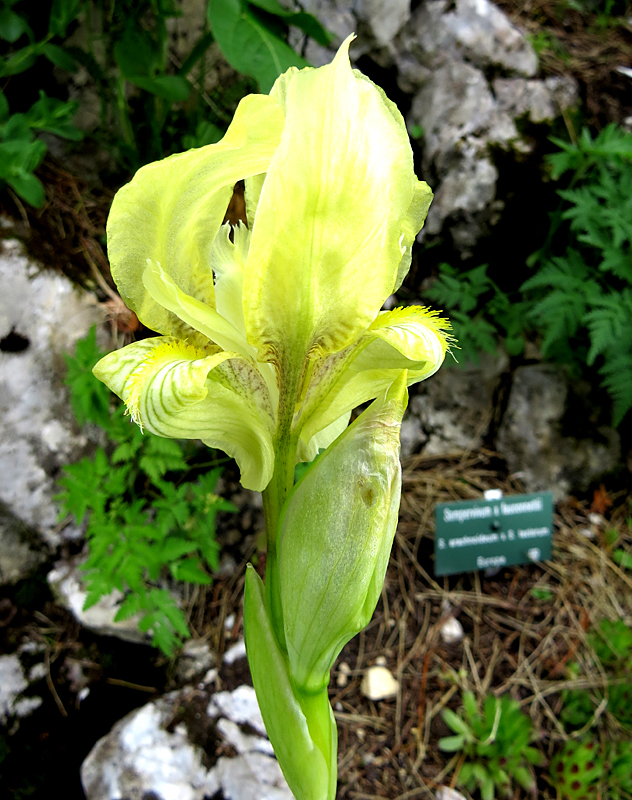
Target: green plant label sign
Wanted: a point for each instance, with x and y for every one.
(482, 534)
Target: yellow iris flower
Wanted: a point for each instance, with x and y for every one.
(272, 332)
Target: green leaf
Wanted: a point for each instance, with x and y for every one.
(170, 87)
(622, 558)
(190, 570)
(4, 107)
(12, 25)
(19, 61)
(53, 115)
(306, 22)
(248, 44)
(28, 187)
(542, 593)
(59, 57)
(450, 744)
(175, 548)
(62, 13)
(199, 49)
(136, 54)
(455, 722)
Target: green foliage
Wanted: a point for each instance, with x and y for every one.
(20, 151)
(481, 314)
(496, 743)
(252, 36)
(154, 105)
(612, 645)
(589, 769)
(139, 526)
(577, 769)
(582, 299)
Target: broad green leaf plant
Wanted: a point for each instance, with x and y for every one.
(272, 334)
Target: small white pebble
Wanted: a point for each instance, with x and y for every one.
(381, 661)
(596, 519)
(338, 706)
(361, 733)
(237, 651)
(37, 672)
(589, 533)
(378, 683)
(344, 671)
(452, 631)
(229, 622)
(83, 693)
(210, 677)
(446, 793)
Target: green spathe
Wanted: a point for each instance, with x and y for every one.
(302, 729)
(335, 537)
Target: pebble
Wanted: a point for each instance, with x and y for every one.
(452, 631)
(379, 684)
(447, 793)
(342, 679)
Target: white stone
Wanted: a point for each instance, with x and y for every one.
(195, 658)
(455, 407)
(37, 431)
(485, 36)
(243, 742)
(241, 706)
(447, 793)
(384, 17)
(65, 583)
(379, 684)
(235, 652)
(452, 631)
(139, 757)
(13, 683)
(532, 440)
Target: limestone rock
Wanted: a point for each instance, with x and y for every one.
(20, 549)
(486, 37)
(539, 101)
(66, 584)
(455, 406)
(532, 440)
(384, 17)
(155, 751)
(17, 672)
(472, 30)
(194, 660)
(42, 315)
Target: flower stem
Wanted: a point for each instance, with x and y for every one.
(275, 495)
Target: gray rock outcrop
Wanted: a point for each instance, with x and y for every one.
(42, 315)
(151, 752)
(532, 440)
(471, 72)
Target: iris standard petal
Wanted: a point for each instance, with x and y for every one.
(198, 315)
(172, 210)
(415, 339)
(325, 245)
(178, 391)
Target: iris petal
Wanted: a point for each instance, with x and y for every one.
(171, 212)
(325, 245)
(178, 391)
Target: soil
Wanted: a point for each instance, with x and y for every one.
(515, 642)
